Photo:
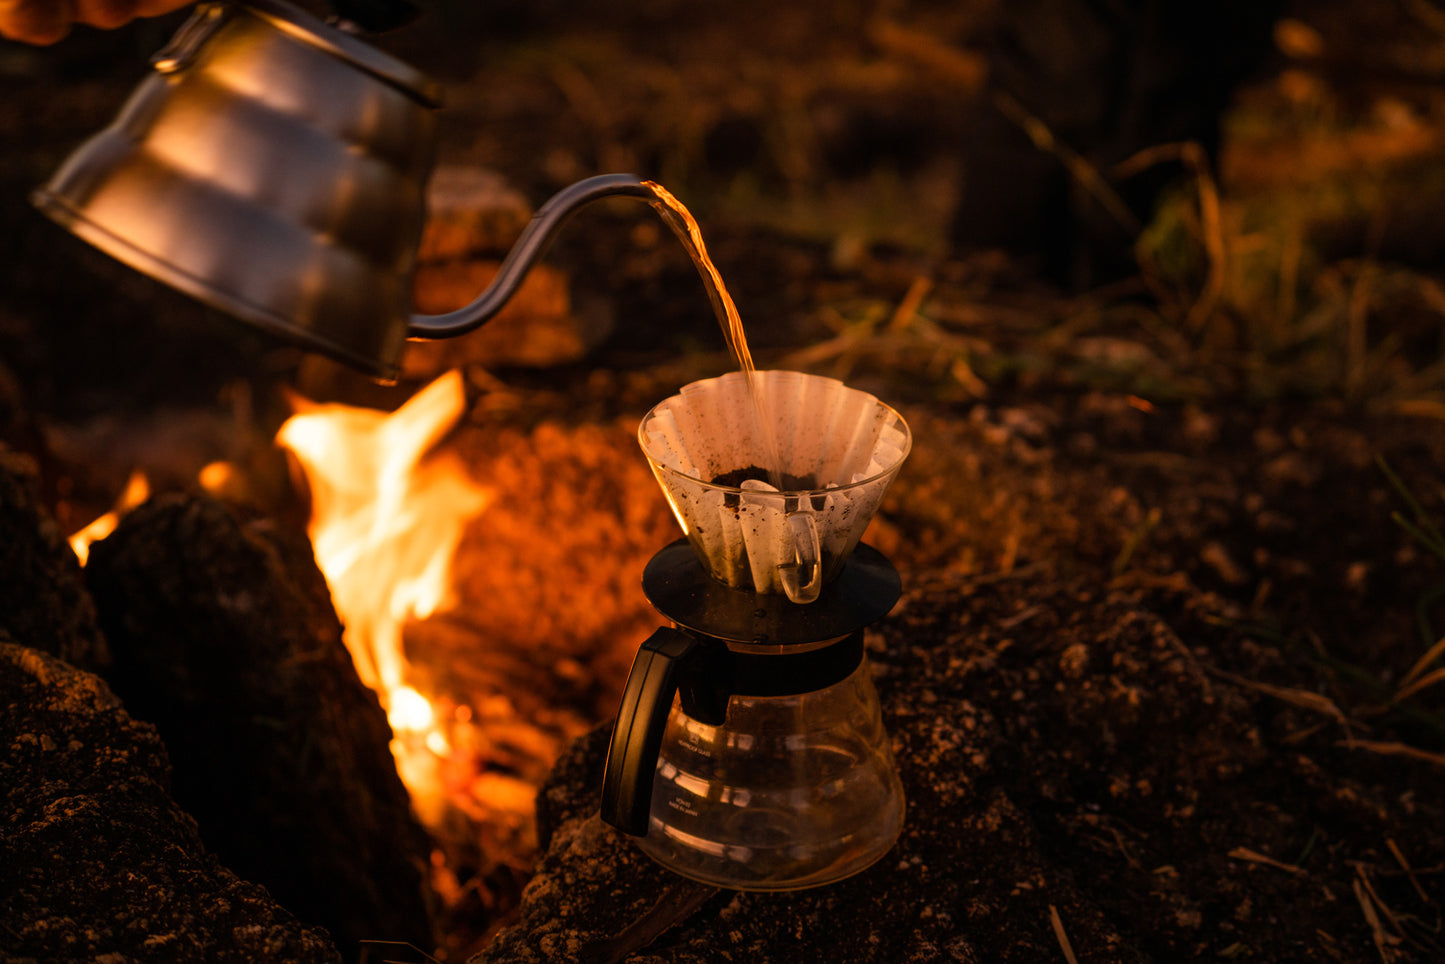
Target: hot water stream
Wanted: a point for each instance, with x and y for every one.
(677, 217)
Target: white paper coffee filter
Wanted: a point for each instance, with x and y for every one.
(831, 435)
(762, 519)
(821, 428)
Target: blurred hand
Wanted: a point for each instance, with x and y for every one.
(46, 21)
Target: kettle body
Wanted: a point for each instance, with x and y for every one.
(275, 168)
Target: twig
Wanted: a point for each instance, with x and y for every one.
(1001, 575)
(1018, 619)
(400, 945)
(1255, 857)
(1192, 156)
(1409, 872)
(1407, 690)
(1432, 654)
(1383, 940)
(1200, 673)
(1010, 553)
(1123, 848)
(1396, 749)
(912, 301)
(1121, 561)
(1082, 171)
(677, 903)
(1063, 937)
(1373, 920)
(1375, 896)
(963, 68)
(1304, 699)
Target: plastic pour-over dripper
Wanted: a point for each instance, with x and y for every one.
(837, 450)
(749, 750)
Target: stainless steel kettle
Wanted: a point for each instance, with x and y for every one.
(275, 167)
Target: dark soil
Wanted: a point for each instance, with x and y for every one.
(1220, 492)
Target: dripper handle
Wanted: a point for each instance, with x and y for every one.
(656, 672)
(802, 579)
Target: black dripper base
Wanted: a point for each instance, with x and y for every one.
(680, 588)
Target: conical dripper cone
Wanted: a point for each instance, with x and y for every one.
(837, 450)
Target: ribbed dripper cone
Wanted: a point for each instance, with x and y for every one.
(838, 449)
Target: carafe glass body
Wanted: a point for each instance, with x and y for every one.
(790, 792)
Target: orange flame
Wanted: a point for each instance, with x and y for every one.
(385, 525)
(137, 490)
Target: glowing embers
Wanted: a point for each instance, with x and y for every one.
(137, 490)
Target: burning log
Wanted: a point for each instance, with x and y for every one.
(98, 857)
(224, 638)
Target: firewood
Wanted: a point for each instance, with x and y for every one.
(225, 639)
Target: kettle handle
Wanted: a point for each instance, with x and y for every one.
(182, 49)
(637, 733)
(530, 246)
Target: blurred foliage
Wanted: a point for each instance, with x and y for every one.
(1304, 261)
(1326, 258)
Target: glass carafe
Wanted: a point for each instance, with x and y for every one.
(749, 749)
(791, 791)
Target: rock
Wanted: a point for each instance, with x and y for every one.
(474, 218)
(42, 595)
(225, 639)
(99, 864)
(471, 211)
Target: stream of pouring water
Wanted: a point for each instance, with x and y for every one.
(677, 217)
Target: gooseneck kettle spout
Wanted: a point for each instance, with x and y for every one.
(529, 247)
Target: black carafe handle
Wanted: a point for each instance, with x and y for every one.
(657, 671)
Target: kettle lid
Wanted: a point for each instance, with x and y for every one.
(316, 32)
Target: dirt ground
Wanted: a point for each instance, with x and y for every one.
(1242, 434)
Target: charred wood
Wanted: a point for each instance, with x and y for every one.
(225, 639)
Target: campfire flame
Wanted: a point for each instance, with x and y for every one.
(385, 524)
(137, 490)
(386, 520)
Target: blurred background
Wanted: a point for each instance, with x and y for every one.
(1030, 223)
